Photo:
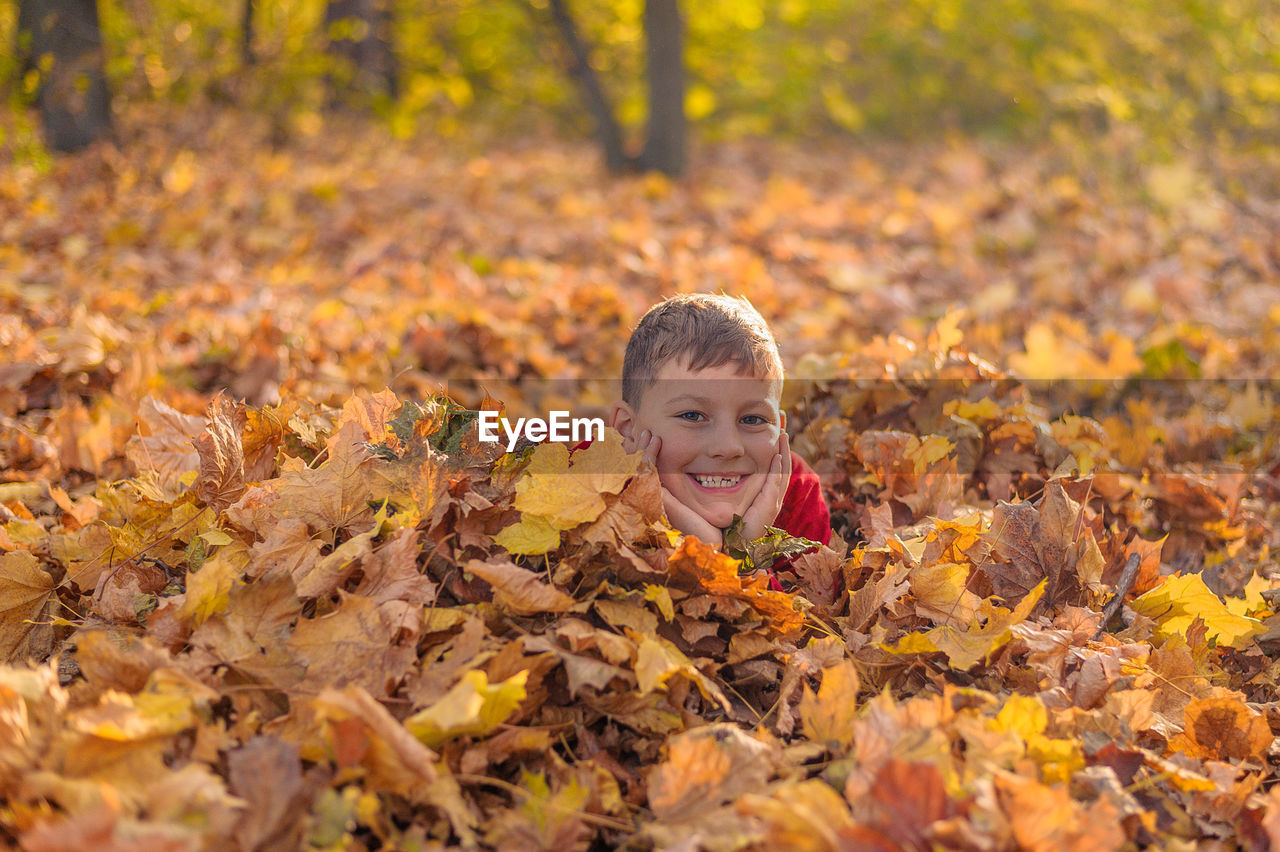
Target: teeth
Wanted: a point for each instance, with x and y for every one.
(717, 481)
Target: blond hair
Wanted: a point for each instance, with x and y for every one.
(707, 329)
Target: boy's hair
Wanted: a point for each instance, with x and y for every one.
(709, 330)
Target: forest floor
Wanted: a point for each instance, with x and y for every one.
(272, 593)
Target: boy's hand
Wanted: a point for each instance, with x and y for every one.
(681, 516)
(764, 509)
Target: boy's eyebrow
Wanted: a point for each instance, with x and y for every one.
(689, 397)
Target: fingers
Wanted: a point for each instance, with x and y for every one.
(688, 521)
(646, 442)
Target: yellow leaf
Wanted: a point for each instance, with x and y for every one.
(532, 535)
(1253, 601)
(209, 589)
(1023, 715)
(657, 660)
(474, 707)
(568, 494)
(215, 538)
(1179, 601)
(940, 592)
(828, 716)
(661, 595)
(988, 632)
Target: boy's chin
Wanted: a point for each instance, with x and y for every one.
(718, 516)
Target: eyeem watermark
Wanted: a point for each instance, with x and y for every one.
(558, 426)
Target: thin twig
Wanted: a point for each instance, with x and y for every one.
(1127, 576)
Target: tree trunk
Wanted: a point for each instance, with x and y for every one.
(664, 34)
(75, 104)
(23, 47)
(608, 132)
(360, 33)
(246, 34)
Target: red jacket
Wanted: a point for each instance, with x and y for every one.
(804, 510)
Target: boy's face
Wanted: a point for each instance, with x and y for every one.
(719, 430)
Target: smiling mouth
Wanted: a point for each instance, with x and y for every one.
(717, 482)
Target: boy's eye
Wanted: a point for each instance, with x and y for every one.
(691, 416)
(754, 420)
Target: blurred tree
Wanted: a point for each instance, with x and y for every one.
(664, 147)
(246, 34)
(63, 42)
(664, 39)
(360, 33)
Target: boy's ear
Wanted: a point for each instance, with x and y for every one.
(622, 418)
(782, 420)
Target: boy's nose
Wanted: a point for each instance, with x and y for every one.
(727, 443)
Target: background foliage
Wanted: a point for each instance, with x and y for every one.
(1176, 69)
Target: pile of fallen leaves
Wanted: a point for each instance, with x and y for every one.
(325, 619)
(308, 626)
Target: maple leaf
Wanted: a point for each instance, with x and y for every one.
(827, 717)
(702, 566)
(336, 493)
(704, 768)
(989, 630)
(1177, 602)
(24, 589)
(1222, 728)
(221, 479)
(169, 445)
(374, 415)
(1047, 541)
(474, 707)
(518, 589)
(351, 645)
(362, 731)
(558, 493)
(249, 635)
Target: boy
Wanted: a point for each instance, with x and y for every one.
(701, 387)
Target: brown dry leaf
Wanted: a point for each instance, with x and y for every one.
(1222, 729)
(333, 495)
(821, 575)
(289, 548)
(911, 799)
(391, 573)
(705, 768)
(169, 445)
(351, 646)
(221, 479)
(267, 775)
(1046, 819)
(113, 660)
(373, 415)
(250, 636)
(1037, 544)
(24, 589)
(627, 517)
(361, 729)
(519, 590)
